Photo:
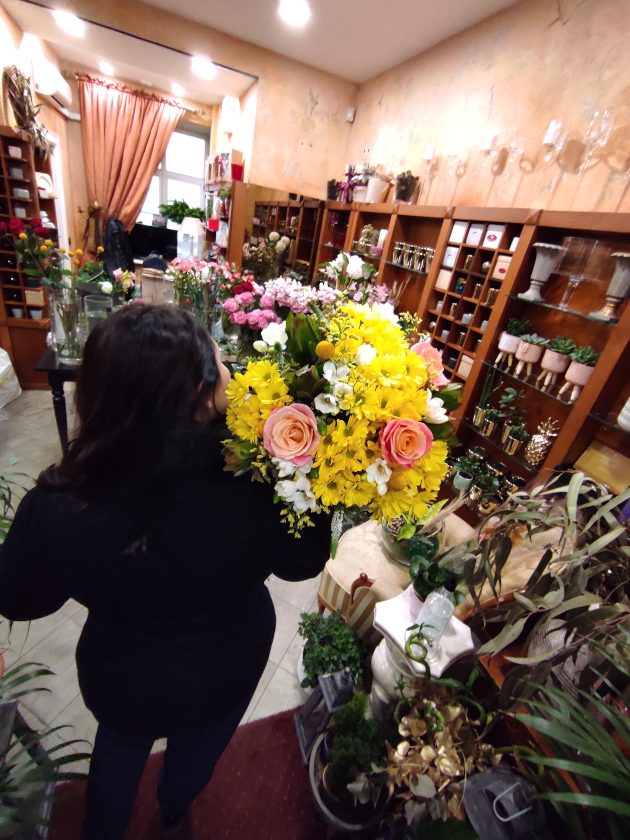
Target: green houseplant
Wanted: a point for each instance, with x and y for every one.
(555, 360)
(176, 211)
(517, 436)
(330, 646)
(510, 411)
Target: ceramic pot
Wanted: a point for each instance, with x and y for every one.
(475, 492)
(512, 445)
(462, 481)
(529, 353)
(623, 420)
(618, 290)
(376, 189)
(505, 431)
(547, 258)
(488, 506)
(578, 374)
(512, 484)
(554, 362)
(509, 343)
(489, 427)
(17, 311)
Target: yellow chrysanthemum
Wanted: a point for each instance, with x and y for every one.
(360, 493)
(237, 390)
(364, 402)
(351, 433)
(262, 374)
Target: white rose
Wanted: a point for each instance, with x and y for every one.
(280, 248)
(275, 334)
(340, 262)
(326, 404)
(435, 411)
(365, 354)
(274, 236)
(379, 473)
(106, 287)
(355, 267)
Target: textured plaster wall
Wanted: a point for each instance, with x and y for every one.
(300, 136)
(538, 60)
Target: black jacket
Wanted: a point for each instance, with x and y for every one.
(177, 633)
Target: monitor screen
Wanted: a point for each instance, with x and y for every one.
(145, 238)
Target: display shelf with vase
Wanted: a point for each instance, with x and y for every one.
(548, 256)
(618, 289)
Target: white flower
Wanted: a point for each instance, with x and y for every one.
(435, 411)
(304, 501)
(379, 473)
(297, 492)
(342, 389)
(326, 404)
(355, 267)
(306, 468)
(274, 236)
(285, 240)
(333, 373)
(365, 354)
(285, 468)
(280, 247)
(106, 287)
(386, 311)
(275, 334)
(340, 262)
(261, 346)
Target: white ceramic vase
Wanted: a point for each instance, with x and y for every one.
(618, 290)
(508, 345)
(623, 420)
(547, 258)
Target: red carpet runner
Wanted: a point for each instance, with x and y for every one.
(259, 790)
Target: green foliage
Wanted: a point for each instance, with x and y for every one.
(91, 272)
(224, 193)
(562, 344)
(585, 356)
(519, 433)
(507, 403)
(177, 211)
(330, 646)
(494, 415)
(303, 336)
(532, 338)
(488, 483)
(466, 463)
(517, 326)
(488, 389)
(359, 745)
(427, 576)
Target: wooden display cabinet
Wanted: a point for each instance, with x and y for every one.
(335, 231)
(307, 236)
(380, 216)
(24, 338)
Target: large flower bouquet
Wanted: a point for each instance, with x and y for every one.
(341, 415)
(192, 284)
(264, 258)
(355, 278)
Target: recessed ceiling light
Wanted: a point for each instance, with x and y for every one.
(203, 67)
(178, 90)
(71, 24)
(294, 12)
(106, 67)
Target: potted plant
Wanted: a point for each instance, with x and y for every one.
(510, 339)
(515, 439)
(484, 399)
(583, 360)
(406, 538)
(466, 468)
(555, 360)
(529, 350)
(484, 486)
(406, 184)
(492, 419)
(176, 211)
(329, 646)
(508, 408)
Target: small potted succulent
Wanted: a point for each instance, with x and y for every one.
(492, 420)
(510, 339)
(530, 349)
(555, 360)
(508, 408)
(583, 360)
(466, 468)
(515, 440)
(484, 486)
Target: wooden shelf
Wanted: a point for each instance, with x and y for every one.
(564, 311)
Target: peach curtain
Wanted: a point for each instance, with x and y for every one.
(125, 135)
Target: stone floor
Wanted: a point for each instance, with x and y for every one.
(28, 443)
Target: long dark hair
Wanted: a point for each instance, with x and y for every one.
(146, 370)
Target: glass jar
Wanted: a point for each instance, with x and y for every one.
(428, 545)
(66, 327)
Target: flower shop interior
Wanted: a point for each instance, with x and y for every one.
(406, 227)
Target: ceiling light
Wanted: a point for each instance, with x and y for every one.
(71, 24)
(203, 67)
(178, 90)
(106, 67)
(294, 12)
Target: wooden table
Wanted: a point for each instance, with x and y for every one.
(58, 374)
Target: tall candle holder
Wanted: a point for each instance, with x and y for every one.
(548, 256)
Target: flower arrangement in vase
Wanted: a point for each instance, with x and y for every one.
(331, 425)
(515, 439)
(583, 360)
(509, 340)
(555, 360)
(192, 284)
(529, 351)
(124, 281)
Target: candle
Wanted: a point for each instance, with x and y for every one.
(553, 133)
(489, 142)
(382, 237)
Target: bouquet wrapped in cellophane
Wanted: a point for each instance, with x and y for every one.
(341, 415)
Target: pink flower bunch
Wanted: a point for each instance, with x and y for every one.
(240, 311)
(195, 265)
(289, 293)
(367, 292)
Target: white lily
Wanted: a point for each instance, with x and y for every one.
(285, 468)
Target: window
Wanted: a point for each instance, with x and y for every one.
(180, 176)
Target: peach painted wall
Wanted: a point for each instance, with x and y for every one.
(300, 136)
(510, 74)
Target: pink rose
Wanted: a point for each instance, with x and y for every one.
(239, 317)
(266, 302)
(404, 441)
(253, 318)
(290, 433)
(118, 274)
(230, 305)
(245, 298)
(433, 360)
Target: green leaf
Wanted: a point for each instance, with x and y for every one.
(406, 532)
(508, 634)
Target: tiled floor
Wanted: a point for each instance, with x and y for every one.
(28, 443)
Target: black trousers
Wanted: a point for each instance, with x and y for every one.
(118, 763)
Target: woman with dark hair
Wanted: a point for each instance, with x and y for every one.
(169, 553)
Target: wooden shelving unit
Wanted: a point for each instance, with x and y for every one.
(336, 232)
(233, 252)
(24, 338)
(300, 219)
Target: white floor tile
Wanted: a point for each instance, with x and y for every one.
(287, 619)
(25, 635)
(80, 723)
(282, 693)
(270, 670)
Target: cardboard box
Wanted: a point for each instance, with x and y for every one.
(501, 267)
(458, 232)
(465, 366)
(475, 232)
(450, 255)
(493, 236)
(443, 281)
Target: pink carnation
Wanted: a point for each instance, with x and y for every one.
(118, 274)
(239, 317)
(245, 298)
(230, 305)
(253, 318)
(266, 302)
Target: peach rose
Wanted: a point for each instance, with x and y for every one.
(433, 360)
(404, 441)
(291, 434)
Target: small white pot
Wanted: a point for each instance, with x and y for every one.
(509, 343)
(623, 420)
(554, 362)
(36, 314)
(529, 353)
(18, 311)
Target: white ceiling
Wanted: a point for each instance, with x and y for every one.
(356, 39)
(133, 60)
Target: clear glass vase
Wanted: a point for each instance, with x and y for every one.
(66, 325)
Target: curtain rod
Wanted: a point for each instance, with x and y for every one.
(122, 85)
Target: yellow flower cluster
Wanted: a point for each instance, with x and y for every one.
(380, 380)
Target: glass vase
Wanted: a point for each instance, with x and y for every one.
(68, 335)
